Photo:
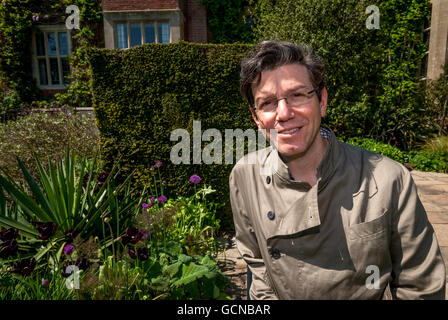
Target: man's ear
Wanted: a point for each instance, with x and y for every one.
(323, 102)
(254, 116)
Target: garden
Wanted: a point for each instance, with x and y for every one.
(91, 207)
(78, 233)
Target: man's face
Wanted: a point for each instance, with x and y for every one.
(297, 126)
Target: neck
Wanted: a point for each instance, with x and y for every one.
(303, 167)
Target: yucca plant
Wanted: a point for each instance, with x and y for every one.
(67, 202)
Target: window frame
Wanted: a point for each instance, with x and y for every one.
(142, 23)
(46, 29)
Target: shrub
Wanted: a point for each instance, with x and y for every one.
(381, 148)
(47, 135)
(142, 94)
(10, 102)
(433, 156)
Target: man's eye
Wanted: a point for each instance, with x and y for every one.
(298, 94)
(267, 104)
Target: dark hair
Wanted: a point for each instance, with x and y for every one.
(272, 54)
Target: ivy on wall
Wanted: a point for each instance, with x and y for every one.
(19, 18)
(228, 21)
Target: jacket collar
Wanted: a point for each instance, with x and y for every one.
(325, 169)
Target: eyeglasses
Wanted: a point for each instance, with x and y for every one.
(295, 99)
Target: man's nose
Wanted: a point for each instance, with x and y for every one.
(283, 111)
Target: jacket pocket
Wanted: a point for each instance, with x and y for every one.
(373, 229)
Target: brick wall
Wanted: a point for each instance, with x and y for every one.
(133, 5)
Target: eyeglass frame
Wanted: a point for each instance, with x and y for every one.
(286, 99)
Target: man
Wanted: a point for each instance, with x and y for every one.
(330, 221)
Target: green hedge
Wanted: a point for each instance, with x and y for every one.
(142, 94)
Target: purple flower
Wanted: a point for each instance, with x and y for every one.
(143, 253)
(68, 249)
(152, 199)
(195, 179)
(102, 177)
(24, 267)
(132, 253)
(146, 205)
(152, 167)
(162, 199)
(46, 229)
(9, 234)
(70, 235)
(163, 182)
(144, 235)
(45, 282)
(158, 164)
(8, 248)
(132, 235)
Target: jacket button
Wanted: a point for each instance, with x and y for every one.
(275, 253)
(271, 215)
(268, 179)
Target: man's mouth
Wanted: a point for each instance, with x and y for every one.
(289, 132)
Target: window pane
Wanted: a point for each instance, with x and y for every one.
(54, 71)
(63, 44)
(136, 34)
(65, 70)
(43, 72)
(164, 32)
(122, 35)
(51, 43)
(40, 45)
(150, 33)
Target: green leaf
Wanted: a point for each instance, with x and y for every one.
(37, 192)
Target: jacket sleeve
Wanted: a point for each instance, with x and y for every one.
(418, 269)
(247, 245)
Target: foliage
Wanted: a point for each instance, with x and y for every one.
(18, 20)
(47, 135)
(69, 203)
(437, 99)
(189, 221)
(15, 51)
(372, 74)
(78, 93)
(382, 148)
(9, 101)
(433, 156)
(86, 220)
(161, 276)
(142, 94)
(227, 21)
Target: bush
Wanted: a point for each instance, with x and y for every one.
(382, 148)
(47, 135)
(433, 156)
(10, 102)
(142, 94)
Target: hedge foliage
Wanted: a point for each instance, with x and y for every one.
(142, 94)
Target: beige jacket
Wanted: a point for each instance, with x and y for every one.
(363, 218)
